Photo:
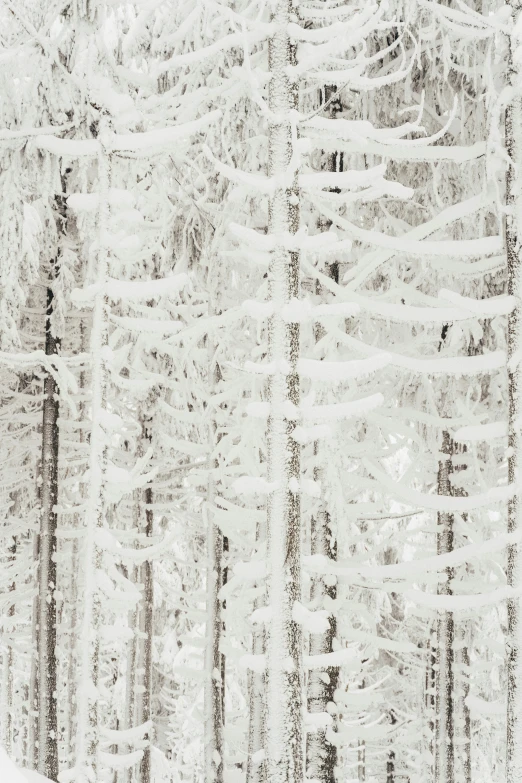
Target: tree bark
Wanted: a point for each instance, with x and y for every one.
(321, 753)
(7, 684)
(32, 728)
(132, 654)
(390, 763)
(446, 629)
(214, 664)
(463, 766)
(284, 711)
(514, 558)
(87, 737)
(147, 612)
(47, 662)
(256, 767)
(431, 701)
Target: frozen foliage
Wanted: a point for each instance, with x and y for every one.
(260, 358)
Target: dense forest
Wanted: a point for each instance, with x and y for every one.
(260, 391)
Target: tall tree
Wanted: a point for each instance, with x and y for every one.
(47, 586)
(284, 701)
(513, 140)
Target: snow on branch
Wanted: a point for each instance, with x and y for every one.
(315, 721)
(483, 308)
(456, 603)
(313, 622)
(130, 291)
(120, 736)
(373, 260)
(121, 761)
(477, 432)
(457, 365)
(342, 371)
(346, 657)
(154, 140)
(23, 133)
(142, 144)
(354, 178)
(412, 569)
(404, 313)
(469, 25)
(442, 503)
(457, 154)
(298, 310)
(224, 44)
(330, 412)
(342, 410)
(458, 248)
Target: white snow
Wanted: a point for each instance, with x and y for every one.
(314, 721)
(256, 663)
(261, 615)
(477, 432)
(344, 657)
(494, 305)
(254, 569)
(254, 485)
(342, 371)
(313, 622)
(440, 502)
(9, 773)
(343, 410)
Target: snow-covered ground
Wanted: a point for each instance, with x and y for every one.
(9, 773)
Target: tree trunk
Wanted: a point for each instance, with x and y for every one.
(514, 559)
(284, 711)
(256, 763)
(7, 685)
(132, 654)
(147, 612)
(87, 737)
(214, 696)
(463, 766)
(70, 710)
(431, 701)
(32, 728)
(390, 762)
(321, 754)
(446, 629)
(47, 662)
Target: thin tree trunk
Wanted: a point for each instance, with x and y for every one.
(7, 685)
(87, 737)
(214, 697)
(47, 662)
(321, 753)
(32, 728)
(464, 734)
(73, 589)
(147, 612)
(361, 761)
(446, 628)
(514, 559)
(431, 700)
(132, 656)
(256, 764)
(284, 711)
(322, 683)
(69, 702)
(390, 762)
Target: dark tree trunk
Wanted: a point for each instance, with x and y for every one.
(47, 663)
(446, 628)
